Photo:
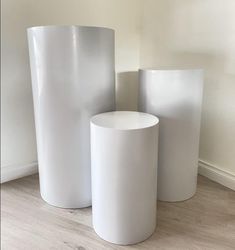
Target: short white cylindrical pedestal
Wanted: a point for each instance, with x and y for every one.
(72, 71)
(124, 175)
(175, 96)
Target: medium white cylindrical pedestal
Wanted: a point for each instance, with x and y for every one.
(124, 175)
(72, 71)
(175, 96)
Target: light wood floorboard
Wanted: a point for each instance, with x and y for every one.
(207, 221)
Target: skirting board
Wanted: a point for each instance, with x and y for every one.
(12, 172)
(206, 169)
(215, 174)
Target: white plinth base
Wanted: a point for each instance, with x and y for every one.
(175, 96)
(124, 176)
(72, 69)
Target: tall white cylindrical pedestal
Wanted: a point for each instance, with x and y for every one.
(175, 96)
(72, 70)
(124, 175)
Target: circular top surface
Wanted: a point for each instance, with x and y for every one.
(124, 120)
(68, 27)
(169, 69)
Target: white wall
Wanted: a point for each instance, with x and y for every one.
(18, 136)
(200, 34)
(149, 33)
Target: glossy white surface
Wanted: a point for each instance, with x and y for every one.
(124, 175)
(72, 69)
(124, 120)
(175, 96)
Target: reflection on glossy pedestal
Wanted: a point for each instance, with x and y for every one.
(175, 96)
(72, 71)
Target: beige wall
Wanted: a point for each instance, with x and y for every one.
(200, 34)
(18, 136)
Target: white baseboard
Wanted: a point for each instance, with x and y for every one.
(12, 172)
(206, 169)
(215, 174)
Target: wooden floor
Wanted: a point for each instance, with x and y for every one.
(207, 221)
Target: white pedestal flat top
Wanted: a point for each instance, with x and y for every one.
(169, 69)
(124, 120)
